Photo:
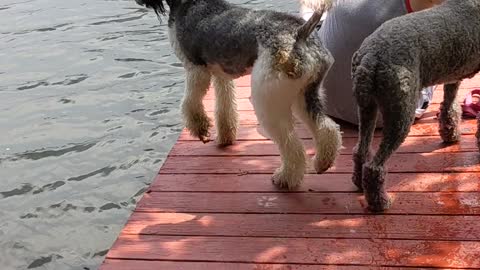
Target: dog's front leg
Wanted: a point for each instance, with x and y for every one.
(193, 111)
(226, 116)
(450, 113)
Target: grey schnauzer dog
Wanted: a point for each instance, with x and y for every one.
(440, 45)
(219, 42)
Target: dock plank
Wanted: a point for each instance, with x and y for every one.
(378, 252)
(427, 144)
(328, 182)
(181, 265)
(248, 117)
(444, 228)
(420, 163)
(416, 203)
(253, 132)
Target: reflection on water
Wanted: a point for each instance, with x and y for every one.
(88, 111)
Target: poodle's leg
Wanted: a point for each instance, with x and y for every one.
(450, 113)
(477, 134)
(226, 116)
(193, 111)
(272, 98)
(362, 151)
(398, 119)
(326, 133)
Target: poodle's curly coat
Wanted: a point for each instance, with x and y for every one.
(440, 45)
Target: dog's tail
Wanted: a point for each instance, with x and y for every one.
(156, 5)
(319, 7)
(363, 77)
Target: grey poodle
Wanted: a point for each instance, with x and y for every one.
(218, 41)
(440, 45)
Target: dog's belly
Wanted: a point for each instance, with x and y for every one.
(218, 71)
(455, 77)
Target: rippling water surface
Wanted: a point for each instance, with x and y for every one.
(89, 95)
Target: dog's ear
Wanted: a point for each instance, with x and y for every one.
(156, 5)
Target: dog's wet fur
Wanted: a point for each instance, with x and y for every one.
(219, 42)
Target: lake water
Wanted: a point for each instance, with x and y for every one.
(89, 97)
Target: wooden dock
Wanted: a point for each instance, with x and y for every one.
(212, 208)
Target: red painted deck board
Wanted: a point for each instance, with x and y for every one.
(307, 226)
(425, 144)
(328, 182)
(179, 265)
(216, 208)
(424, 162)
(423, 203)
(248, 117)
(252, 132)
(376, 252)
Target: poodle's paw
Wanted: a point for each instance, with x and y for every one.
(378, 202)
(478, 141)
(357, 179)
(449, 134)
(321, 165)
(373, 183)
(286, 180)
(477, 134)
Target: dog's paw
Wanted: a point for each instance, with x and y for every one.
(226, 137)
(450, 134)
(378, 202)
(199, 128)
(321, 165)
(373, 183)
(202, 135)
(285, 180)
(477, 135)
(357, 179)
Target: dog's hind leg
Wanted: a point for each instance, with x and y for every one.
(477, 134)
(193, 111)
(362, 152)
(272, 98)
(398, 118)
(226, 116)
(326, 133)
(450, 114)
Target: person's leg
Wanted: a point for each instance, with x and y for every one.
(424, 101)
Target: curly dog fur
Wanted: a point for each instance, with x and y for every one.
(440, 45)
(218, 41)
